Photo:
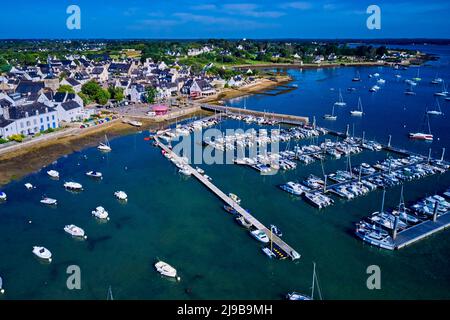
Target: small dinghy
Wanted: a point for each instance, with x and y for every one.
(29, 186)
(73, 186)
(121, 195)
(100, 213)
(235, 198)
(49, 201)
(268, 252)
(2, 291)
(75, 231)
(53, 174)
(276, 231)
(166, 270)
(94, 174)
(42, 253)
(3, 196)
(243, 222)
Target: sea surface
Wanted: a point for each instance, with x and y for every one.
(176, 219)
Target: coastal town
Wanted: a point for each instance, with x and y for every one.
(50, 92)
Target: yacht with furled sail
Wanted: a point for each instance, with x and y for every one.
(443, 92)
(299, 296)
(359, 110)
(409, 91)
(105, 147)
(436, 80)
(436, 111)
(330, 116)
(357, 77)
(422, 136)
(340, 102)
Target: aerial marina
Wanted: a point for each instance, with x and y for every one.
(294, 187)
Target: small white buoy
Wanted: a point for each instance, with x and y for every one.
(2, 291)
(126, 168)
(29, 221)
(50, 260)
(85, 237)
(178, 278)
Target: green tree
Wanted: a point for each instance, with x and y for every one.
(91, 88)
(66, 88)
(150, 94)
(116, 93)
(102, 96)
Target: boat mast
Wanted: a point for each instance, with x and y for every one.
(382, 201)
(314, 277)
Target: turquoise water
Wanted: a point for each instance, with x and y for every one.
(175, 219)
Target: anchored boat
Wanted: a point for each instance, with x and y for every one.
(104, 146)
(100, 213)
(121, 195)
(73, 186)
(166, 270)
(75, 231)
(42, 253)
(94, 174)
(53, 173)
(49, 201)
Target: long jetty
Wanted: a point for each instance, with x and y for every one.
(281, 118)
(225, 198)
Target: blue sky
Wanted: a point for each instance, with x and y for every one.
(225, 19)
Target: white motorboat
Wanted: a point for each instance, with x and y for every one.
(200, 170)
(42, 253)
(104, 146)
(185, 170)
(75, 231)
(359, 110)
(3, 196)
(235, 198)
(74, 186)
(53, 173)
(29, 186)
(166, 270)
(121, 195)
(49, 201)
(260, 235)
(100, 213)
(94, 174)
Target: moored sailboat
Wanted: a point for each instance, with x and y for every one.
(359, 110)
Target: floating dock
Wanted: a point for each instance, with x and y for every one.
(225, 198)
(421, 230)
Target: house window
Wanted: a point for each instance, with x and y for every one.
(42, 127)
(53, 117)
(54, 125)
(42, 120)
(48, 118)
